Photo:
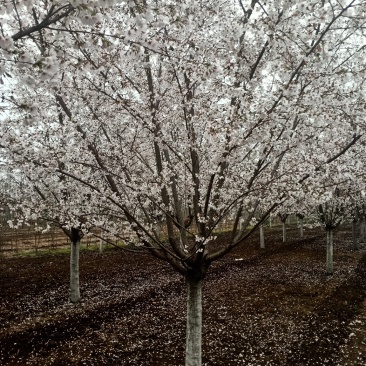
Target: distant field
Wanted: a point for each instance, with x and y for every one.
(15, 241)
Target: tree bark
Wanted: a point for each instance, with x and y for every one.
(261, 236)
(362, 230)
(301, 227)
(329, 251)
(74, 272)
(194, 323)
(101, 243)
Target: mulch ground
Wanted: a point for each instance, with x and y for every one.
(274, 306)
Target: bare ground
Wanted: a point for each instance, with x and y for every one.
(261, 307)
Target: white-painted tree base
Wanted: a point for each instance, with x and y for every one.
(329, 251)
(194, 323)
(261, 237)
(74, 272)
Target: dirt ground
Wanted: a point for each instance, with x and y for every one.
(261, 307)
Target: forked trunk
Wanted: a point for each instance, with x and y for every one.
(261, 236)
(329, 251)
(74, 272)
(194, 323)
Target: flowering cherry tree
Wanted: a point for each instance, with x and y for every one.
(184, 113)
(338, 199)
(31, 200)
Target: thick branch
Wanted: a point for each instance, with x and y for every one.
(51, 18)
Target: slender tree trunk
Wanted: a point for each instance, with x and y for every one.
(74, 272)
(329, 251)
(354, 234)
(194, 323)
(301, 227)
(284, 233)
(101, 243)
(261, 236)
(362, 230)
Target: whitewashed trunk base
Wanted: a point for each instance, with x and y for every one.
(194, 323)
(329, 252)
(74, 272)
(261, 236)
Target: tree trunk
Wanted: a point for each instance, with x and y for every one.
(301, 227)
(261, 236)
(194, 323)
(354, 234)
(101, 243)
(362, 230)
(284, 234)
(74, 272)
(329, 251)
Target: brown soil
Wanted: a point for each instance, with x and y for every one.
(261, 307)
